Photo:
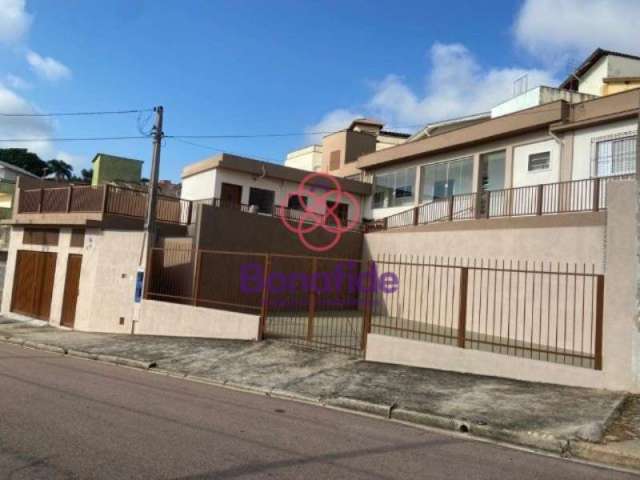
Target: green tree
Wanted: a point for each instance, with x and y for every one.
(23, 158)
(60, 169)
(86, 174)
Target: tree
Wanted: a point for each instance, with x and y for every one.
(23, 158)
(60, 169)
(86, 175)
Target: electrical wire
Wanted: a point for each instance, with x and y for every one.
(71, 114)
(216, 149)
(72, 139)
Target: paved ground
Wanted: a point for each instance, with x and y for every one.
(543, 416)
(62, 417)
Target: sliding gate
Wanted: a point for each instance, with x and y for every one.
(320, 303)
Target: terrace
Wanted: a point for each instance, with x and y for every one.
(84, 204)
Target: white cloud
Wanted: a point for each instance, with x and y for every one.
(47, 67)
(24, 127)
(16, 82)
(561, 32)
(332, 121)
(14, 20)
(455, 85)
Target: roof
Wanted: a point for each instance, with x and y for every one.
(259, 168)
(449, 124)
(531, 119)
(555, 116)
(108, 155)
(366, 121)
(571, 82)
(387, 133)
(19, 170)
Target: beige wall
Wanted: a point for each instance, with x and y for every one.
(558, 238)
(162, 318)
(571, 243)
(107, 277)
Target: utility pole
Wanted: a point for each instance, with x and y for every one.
(150, 220)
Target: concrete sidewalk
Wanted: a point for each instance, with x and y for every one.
(565, 420)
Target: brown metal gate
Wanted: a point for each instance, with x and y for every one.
(33, 283)
(71, 288)
(318, 302)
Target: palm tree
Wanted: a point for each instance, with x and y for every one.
(60, 169)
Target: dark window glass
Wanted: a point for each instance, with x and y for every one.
(263, 199)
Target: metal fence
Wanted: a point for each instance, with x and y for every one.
(545, 199)
(535, 310)
(539, 311)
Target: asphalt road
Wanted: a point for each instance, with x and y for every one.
(67, 418)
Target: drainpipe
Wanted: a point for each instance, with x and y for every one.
(560, 143)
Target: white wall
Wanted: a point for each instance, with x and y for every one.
(582, 145)
(281, 188)
(591, 82)
(309, 158)
(199, 186)
(521, 174)
(163, 318)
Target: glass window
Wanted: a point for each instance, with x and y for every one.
(444, 179)
(616, 156)
(539, 161)
(261, 198)
(296, 202)
(394, 189)
(341, 211)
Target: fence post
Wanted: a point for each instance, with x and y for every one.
(540, 192)
(450, 210)
(69, 195)
(596, 194)
(264, 304)
(385, 223)
(487, 205)
(597, 363)
(416, 213)
(105, 197)
(462, 310)
(195, 289)
(478, 204)
(368, 306)
(41, 200)
(312, 299)
(190, 212)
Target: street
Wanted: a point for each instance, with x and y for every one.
(62, 417)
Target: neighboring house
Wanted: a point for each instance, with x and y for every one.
(340, 149)
(605, 72)
(235, 180)
(306, 158)
(111, 168)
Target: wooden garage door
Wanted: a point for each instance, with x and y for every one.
(33, 283)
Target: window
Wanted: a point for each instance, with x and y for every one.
(341, 211)
(334, 160)
(539, 161)
(394, 189)
(40, 236)
(615, 155)
(77, 237)
(263, 199)
(444, 179)
(297, 202)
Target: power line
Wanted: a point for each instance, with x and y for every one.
(72, 139)
(72, 114)
(216, 149)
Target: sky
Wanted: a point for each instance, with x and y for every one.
(248, 67)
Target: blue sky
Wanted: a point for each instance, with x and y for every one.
(236, 67)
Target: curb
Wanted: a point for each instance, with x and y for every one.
(113, 359)
(127, 362)
(603, 453)
(548, 443)
(44, 346)
(361, 406)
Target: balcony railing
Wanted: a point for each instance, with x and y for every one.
(105, 199)
(545, 199)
